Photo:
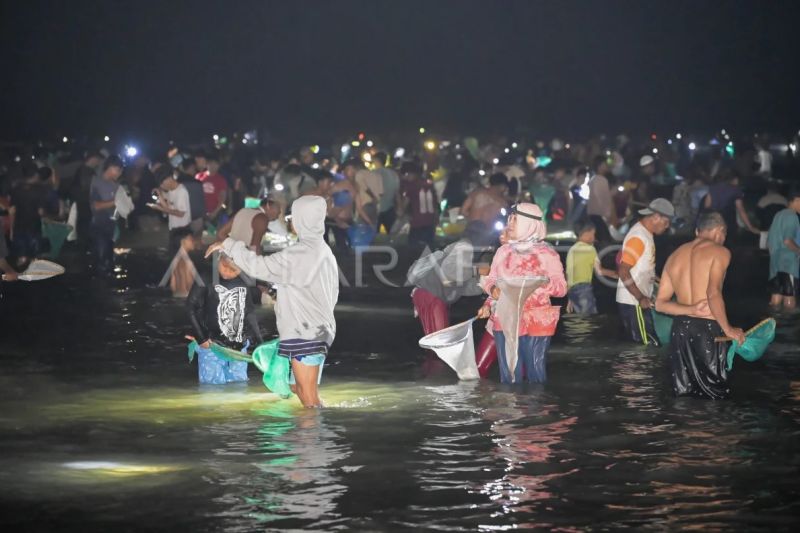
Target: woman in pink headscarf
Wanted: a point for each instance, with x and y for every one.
(526, 255)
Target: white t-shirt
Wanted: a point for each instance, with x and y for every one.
(179, 199)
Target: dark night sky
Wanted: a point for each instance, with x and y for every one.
(185, 69)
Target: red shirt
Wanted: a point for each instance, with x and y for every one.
(212, 186)
(421, 201)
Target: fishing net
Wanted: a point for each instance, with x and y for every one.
(228, 354)
(41, 269)
(274, 368)
(663, 325)
(755, 344)
(56, 233)
(513, 293)
(455, 347)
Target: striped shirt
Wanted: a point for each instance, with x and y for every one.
(299, 348)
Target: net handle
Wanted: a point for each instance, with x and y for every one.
(746, 333)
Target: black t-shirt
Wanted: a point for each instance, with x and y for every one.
(28, 198)
(230, 323)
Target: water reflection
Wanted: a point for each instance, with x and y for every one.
(526, 437)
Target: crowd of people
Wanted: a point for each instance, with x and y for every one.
(499, 196)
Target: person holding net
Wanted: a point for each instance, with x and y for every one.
(525, 273)
(694, 274)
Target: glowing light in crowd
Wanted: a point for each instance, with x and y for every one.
(678, 136)
(215, 137)
(106, 138)
(366, 156)
(507, 150)
(279, 186)
(669, 141)
(65, 139)
(655, 150)
(653, 136)
(503, 211)
(345, 148)
(621, 188)
(499, 226)
(495, 161)
(131, 151)
(399, 153)
(361, 136)
(422, 131)
(369, 143)
(792, 147)
(430, 145)
(244, 141)
(514, 145)
(315, 149)
(482, 172)
(356, 144)
(692, 146)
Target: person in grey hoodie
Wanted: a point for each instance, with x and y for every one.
(307, 280)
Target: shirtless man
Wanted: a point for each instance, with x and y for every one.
(485, 203)
(694, 274)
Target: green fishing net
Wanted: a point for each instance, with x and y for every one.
(274, 367)
(755, 343)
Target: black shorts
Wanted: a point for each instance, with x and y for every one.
(783, 284)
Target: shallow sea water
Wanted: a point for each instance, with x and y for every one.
(103, 425)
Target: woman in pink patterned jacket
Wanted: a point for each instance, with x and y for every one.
(526, 255)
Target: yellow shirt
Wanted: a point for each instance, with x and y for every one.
(581, 260)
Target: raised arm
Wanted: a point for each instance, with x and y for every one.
(259, 225)
(273, 268)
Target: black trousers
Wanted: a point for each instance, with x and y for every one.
(630, 320)
(698, 363)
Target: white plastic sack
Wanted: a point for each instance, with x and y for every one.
(41, 269)
(455, 347)
(72, 220)
(513, 293)
(123, 203)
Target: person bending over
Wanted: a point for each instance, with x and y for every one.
(222, 311)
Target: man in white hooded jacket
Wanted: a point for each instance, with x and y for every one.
(307, 279)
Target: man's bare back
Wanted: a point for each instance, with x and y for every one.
(483, 204)
(694, 274)
(689, 269)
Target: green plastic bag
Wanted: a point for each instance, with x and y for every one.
(274, 367)
(755, 344)
(663, 325)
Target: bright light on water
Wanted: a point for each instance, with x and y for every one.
(113, 468)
